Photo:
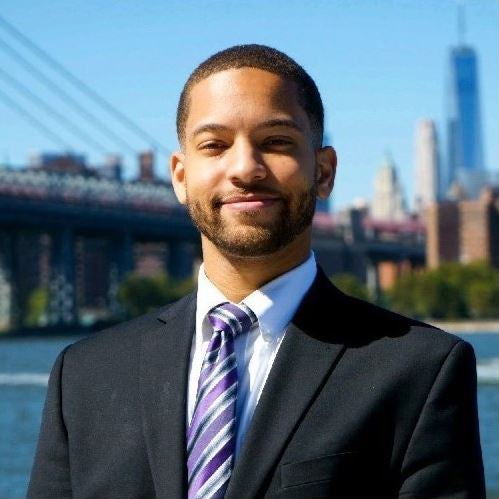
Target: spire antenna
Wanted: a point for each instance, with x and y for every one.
(461, 23)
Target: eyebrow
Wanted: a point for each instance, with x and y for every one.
(209, 127)
(279, 122)
(272, 123)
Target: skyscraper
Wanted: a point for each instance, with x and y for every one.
(427, 166)
(388, 203)
(322, 205)
(465, 149)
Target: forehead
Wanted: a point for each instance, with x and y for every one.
(242, 97)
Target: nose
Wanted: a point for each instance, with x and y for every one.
(245, 163)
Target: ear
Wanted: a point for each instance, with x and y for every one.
(177, 175)
(326, 171)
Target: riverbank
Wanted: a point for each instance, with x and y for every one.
(467, 326)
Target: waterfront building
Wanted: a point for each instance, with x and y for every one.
(464, 230)
(427, 164)
(388, 202)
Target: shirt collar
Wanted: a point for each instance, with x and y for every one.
(274, 304)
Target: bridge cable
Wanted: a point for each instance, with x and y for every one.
(83, 87)
(63, 95)
(35, 122)
(75, 129)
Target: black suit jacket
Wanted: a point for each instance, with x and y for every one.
(360, 402)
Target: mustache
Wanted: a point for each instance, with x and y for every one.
(219, 199)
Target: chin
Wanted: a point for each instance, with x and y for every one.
(248, 251)
(250, 241)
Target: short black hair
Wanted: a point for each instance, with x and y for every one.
(267, 59)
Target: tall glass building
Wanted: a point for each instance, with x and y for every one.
(465, 149)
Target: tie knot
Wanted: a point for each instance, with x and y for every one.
(232, 318)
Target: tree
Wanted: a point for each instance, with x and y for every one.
(139, 295)
(452, 291)
(403, 295)
(438, 297)
(482, 290)
(36, 313)
(350, 285)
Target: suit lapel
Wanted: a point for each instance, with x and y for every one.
(305, 359)
(165, 353)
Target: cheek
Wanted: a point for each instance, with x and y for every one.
(297, 170)
(294, 179)
(201, 178)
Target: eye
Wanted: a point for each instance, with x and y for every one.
(278, 142)
(212, 146)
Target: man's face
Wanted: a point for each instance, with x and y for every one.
(249, 172)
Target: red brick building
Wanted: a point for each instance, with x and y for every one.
(464, 231)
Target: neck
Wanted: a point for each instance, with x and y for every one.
(237, 277)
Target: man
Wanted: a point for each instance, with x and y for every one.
(266, 381)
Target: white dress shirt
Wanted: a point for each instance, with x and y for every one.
(274, 305)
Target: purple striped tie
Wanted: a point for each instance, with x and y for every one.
(211, 436)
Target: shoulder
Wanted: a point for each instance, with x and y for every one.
(391, 328)
(409, 348)
(123, 340)
(402, 356)
(358, 323)
(385, 323)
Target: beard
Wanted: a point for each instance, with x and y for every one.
(250, 237)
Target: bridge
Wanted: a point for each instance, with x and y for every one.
(46, 215)
(78, 231)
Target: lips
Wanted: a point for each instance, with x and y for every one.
(250, 202)
(251, 205)
(249, 197)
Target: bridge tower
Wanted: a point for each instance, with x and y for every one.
(62, 300)
(121, 264)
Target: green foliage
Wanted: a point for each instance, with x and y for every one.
(482, 291)
(438, 297)
(36, 307)
(350, 285)
(483, 299)
(452, 291)
(139, 295)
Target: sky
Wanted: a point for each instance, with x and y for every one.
(380, 65)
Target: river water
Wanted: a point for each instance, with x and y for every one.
(26, 362)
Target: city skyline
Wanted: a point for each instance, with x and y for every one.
(399, 76)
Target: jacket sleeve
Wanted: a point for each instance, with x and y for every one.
(443, 458)
(50, 476)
